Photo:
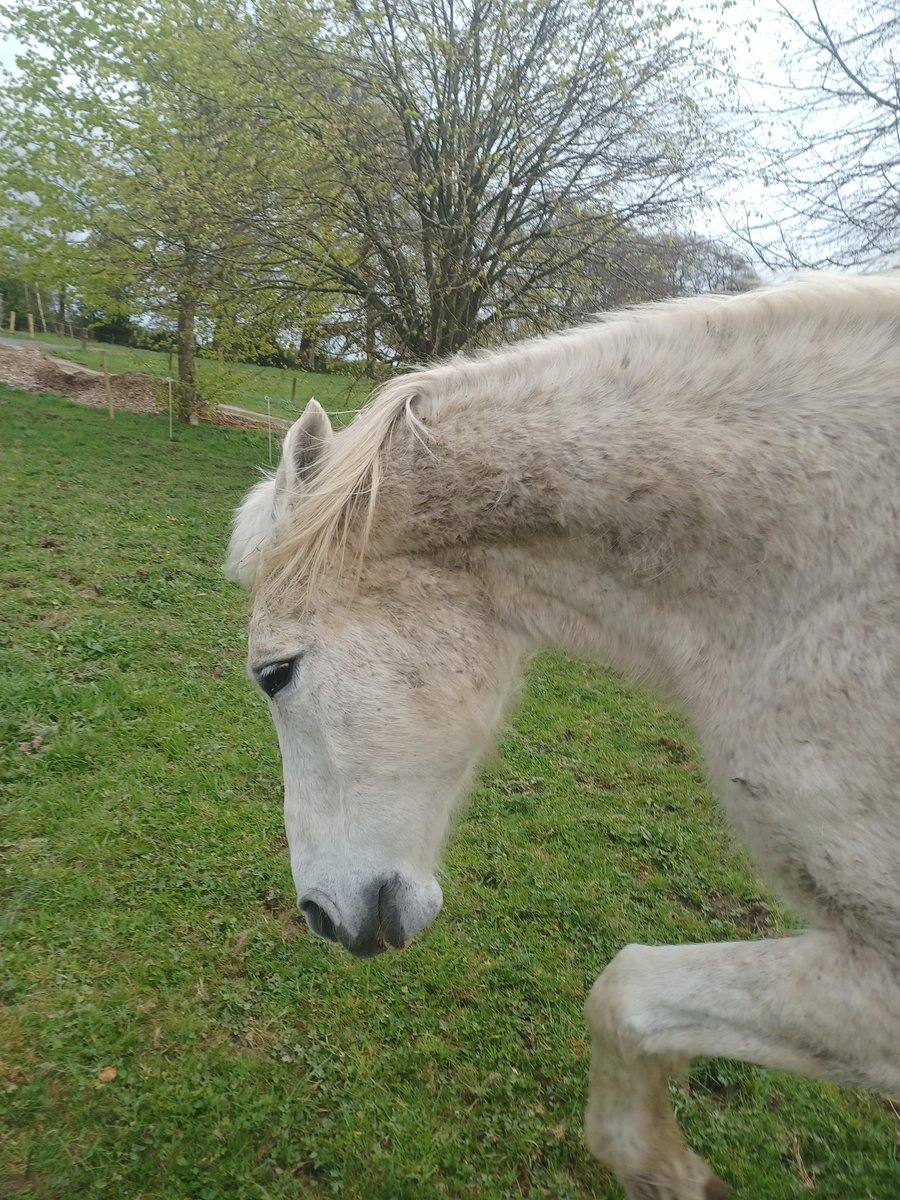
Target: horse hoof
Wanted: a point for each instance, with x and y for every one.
(717, 1189)
(686, 1187)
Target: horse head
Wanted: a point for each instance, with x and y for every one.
(384, 684)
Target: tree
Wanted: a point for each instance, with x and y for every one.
(138, 130)
(479, 153)
(12, 287)
(691, 265)
(841, 172)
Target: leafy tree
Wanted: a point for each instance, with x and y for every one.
(690, 265)
(402, 178)
(479, 153)
(20, 294)
(136, 128)
(12, 288)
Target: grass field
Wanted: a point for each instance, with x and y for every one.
(224, 383)
(168, 1029)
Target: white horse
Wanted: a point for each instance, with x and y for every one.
(703, 494)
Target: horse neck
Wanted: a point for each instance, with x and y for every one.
(620, 512)
(521, 448)
(533, 450)
(642, 493)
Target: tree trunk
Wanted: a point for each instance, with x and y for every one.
(309, 344)
(189, 400)
(371, 348)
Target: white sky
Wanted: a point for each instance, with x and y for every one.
(754, 55)
(8, 49)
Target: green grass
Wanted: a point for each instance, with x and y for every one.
(224, 383)
(148, 919)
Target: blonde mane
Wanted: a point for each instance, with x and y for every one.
(312, 532)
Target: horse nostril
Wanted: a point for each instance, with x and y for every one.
(390, 912)
(318, 920)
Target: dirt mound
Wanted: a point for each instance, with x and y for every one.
(33, 371)
(131, 392)
(18, 368)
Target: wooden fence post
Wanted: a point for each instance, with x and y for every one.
(12, 320)
(31, 324)
(109, 399)
(37, 292)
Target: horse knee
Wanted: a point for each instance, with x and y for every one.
(613, 1007)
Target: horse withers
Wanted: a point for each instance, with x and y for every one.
(703, 494)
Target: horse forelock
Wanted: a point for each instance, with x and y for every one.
(251, 532)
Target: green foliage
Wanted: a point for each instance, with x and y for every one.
(136, 149)
(12, 289)
(148, 919)
(401, 179)
(19, 291)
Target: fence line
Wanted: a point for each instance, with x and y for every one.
(289, 409)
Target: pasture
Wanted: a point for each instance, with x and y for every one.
(168, 1028)
(244, 384)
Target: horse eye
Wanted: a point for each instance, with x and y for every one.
(275, 676)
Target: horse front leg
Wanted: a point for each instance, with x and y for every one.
(814, 1004)
(631, 1128)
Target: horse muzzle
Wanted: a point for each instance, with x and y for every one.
(385, 913)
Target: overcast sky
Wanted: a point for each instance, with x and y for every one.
(8, 49)
(754, 55)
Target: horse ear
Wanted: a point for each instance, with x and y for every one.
(303, 445)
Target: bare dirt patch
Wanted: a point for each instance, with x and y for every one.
(32, 370)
